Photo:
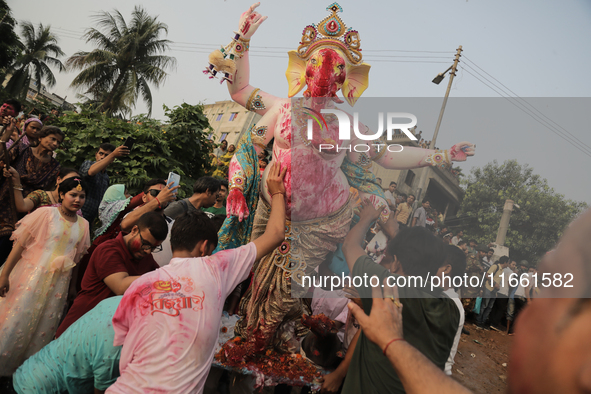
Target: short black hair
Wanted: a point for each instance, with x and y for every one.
(462, 242)
(503, 260)
(71, 183)
(152, 182)
(393, 183)
(155, 223)
(107, 147)
(455, 257)
(206, 183)
(426, 200)
(412, 195)
(64, 171)
(418, 251)
(224, 182)
(191, 228)
(49, 130)
(490, 250)
(15, 103)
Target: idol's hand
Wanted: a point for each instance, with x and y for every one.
(250, 22)
(461, 151)
(236, 204)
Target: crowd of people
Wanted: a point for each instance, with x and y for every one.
(110, 292)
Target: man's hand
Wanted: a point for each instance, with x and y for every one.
(368, 211)
(167, 194)
(275, 179)
(461, 151)
(250, 21)
(331, 382)
(384, 323)
(120, 151)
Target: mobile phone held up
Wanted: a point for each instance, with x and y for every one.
(174, 178)
(129, 142)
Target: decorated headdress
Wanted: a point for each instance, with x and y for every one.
(79, 187)
(330, 32)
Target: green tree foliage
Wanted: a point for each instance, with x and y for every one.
(180, 146)
(10, 44)
(535, 227)
(127, 59)
(41, 50)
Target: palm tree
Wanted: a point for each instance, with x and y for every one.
(40, 51)
(127, 59)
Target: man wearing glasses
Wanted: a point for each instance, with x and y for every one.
(116, 263)
(157, 196)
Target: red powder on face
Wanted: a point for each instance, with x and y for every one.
(326, 74)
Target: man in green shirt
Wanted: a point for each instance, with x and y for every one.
(219, 208)
(430, 318)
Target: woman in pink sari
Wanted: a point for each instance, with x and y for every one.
(34, 280)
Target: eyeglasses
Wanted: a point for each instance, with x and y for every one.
(154, 192)
(147, 247)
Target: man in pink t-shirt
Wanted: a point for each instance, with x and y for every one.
(168, 320)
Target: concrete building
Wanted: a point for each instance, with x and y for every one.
(229, 120)
(443, 188)
(55, 100)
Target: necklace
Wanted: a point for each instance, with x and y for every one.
(66, 212)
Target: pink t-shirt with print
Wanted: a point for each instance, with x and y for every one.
(168, 322)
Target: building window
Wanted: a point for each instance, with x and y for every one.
(410, 177)
(233, 116)
(219, 117)
(209, 136)
(223, 137)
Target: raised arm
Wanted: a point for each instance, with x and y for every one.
(275, 231)
(383, 326)
(21, 204)
(352, 246)
(233, 63)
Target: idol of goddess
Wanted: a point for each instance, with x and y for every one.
(318, 181)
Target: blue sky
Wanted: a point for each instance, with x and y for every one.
(535, 49)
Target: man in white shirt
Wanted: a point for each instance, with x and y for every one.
(454, 265)
(168, 320)
(391, 195)
(458, 237)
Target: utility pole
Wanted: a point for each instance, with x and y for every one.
(504, 225)
(452, 74)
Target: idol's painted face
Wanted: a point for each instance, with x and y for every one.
(325, 73)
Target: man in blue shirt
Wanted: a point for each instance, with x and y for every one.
(81, 360)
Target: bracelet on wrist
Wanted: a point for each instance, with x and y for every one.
(17, 188)
(158, 201)
(391, 342)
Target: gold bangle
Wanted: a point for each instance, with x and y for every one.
(255, 101)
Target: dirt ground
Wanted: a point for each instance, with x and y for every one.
(479, 366)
